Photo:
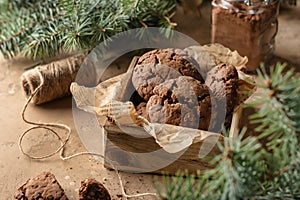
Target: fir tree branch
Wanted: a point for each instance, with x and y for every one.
(24, 22)
(278, 113)
(79, 25)
(285, 184)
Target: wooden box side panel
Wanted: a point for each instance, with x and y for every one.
(144, 155)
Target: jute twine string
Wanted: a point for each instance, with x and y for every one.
(67, 129)
(58, 77)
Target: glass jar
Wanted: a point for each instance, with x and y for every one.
(249, 27)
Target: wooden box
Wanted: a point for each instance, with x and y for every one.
(138, 152)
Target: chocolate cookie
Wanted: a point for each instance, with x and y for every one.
(91, 189)
(182, 101)
(159, 65)
(43, 186)
(222, 81)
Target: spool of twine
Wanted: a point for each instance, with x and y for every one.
(55, 77)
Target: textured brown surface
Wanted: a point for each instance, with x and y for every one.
(91, 189)
(222, 81)
(156, 66)
(182, 101)
(43, 186)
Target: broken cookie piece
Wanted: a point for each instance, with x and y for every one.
(43, 186)
(91, 189)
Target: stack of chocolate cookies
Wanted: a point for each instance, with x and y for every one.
(172, 89)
